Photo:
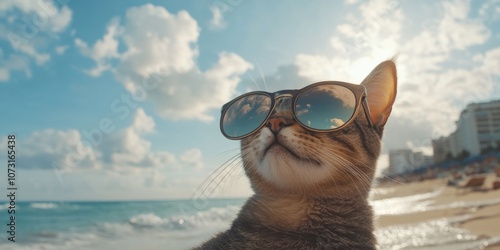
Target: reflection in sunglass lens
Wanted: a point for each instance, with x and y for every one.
(325, 107)
(246, 114)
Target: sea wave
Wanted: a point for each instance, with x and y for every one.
(55, 241)
(146, 220)
(466, 204)
(422, 203)
(212, 217)
(154, 231)
(178, 232)
(4, 206)
(437, 234)
(40, 205)
(405, 204)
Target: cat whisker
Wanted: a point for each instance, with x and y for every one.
(348, 168)
(367, 184)
(255, 82)
(319, 157)
(288, 216)
(374, 190)
(262, 76)
(215, 174)
(220, 155)
(392, 179)
(229, 165)
(231, 168)
(353, 167)
(350, 175)
(224, 153)
(374, 168)
(365, 180)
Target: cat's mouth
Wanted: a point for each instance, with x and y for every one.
(279, 148)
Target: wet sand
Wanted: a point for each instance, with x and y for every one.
(479, 208)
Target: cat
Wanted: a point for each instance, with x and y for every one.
(317, 200)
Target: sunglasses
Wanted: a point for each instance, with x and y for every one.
(321, 107)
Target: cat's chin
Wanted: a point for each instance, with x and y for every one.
(286, 170)
(281, 163)
(277, 150)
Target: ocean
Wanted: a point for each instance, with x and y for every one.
(181, 224)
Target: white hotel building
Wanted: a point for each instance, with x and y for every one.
(478, 129)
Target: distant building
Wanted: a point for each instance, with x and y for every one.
(442, 149)
(478, 130)
(405, 160)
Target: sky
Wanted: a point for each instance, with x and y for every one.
(120, 100)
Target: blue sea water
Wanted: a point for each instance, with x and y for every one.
(182, 224)
(179, 224)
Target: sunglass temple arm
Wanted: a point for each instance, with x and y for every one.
(367, 110)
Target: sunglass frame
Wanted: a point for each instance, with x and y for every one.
(359, 92)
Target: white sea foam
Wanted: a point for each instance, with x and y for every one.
(146, 220)
(434, 234)
(466, 204)
(382, 191)
(4, 206)
(212, 217)
(63, 241)
(422, 203)
(43, 205)
(146, 230)
(152, 231)
(405, 204)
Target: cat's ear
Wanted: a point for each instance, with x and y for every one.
(381, 86)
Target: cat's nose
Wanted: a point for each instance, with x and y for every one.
(275, 124)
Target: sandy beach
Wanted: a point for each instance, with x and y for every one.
(477, 211)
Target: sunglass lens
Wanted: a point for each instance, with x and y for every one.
(245, 115)
(325, 107)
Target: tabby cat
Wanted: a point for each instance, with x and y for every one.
(310, 155)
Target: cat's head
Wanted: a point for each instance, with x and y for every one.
(285, 157)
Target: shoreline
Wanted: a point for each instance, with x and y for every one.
(478, 210)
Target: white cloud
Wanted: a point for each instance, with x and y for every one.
(15, 62)
(490, 61)
(127, 148)
(44, 9)
(157, 40)
(430, 83)
(490, 10)
(245, 109)
(59, 20)
(53, 149)
(162, 47)
(358, 43)
(4, 74)
(349, 2)
(436, 78)
(142, 122)
(46, 15)
(124, 151)
(61, 49)
(103, 50)
(191, 95)
(193, 158)
(217, 21)
(454, 31)
(336, 122)
(30, 31)
(40, 58)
